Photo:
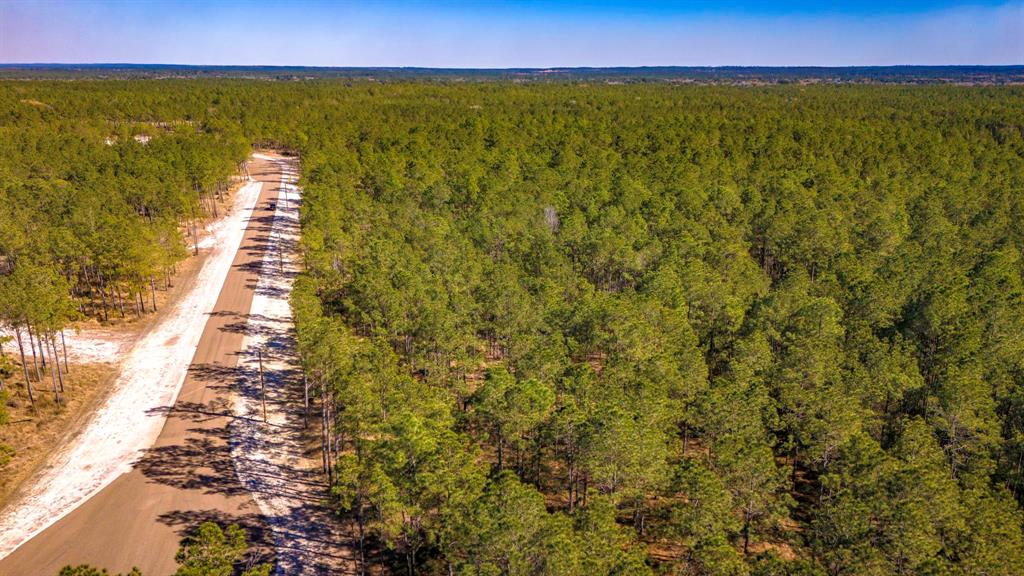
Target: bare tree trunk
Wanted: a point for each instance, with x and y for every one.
(323, 433)
(53, 379)
(42, 349)
(24, 368)
(331, 456)
(362, 540)
(32, 343)
(152, 288)
(103, 298)
(64, 345)
(88, 284)
(639, 517)
(572, 504)
(55, 359)
(120, 300)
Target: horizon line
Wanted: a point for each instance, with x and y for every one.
(610, 67)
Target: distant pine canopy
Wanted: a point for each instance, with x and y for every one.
(587, 329)
(972, 74)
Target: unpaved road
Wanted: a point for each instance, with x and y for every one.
(272, 458)
(188, 475)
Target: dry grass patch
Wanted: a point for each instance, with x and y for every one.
(35, 434)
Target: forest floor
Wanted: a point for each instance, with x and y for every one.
(32, 436)
(121, 421)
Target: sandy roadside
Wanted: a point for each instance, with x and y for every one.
(94, 356)
(187, 476)
(130, 418)
(270, 457)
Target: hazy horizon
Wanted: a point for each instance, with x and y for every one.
(492, 68)
(512, 35)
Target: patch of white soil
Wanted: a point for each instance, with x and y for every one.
(88, 345)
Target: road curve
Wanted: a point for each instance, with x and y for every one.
(188, 475)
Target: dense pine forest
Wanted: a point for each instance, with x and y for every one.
(96, 209)
(592, 329)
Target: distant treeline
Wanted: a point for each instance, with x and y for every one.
(587, 329)
(987, 75)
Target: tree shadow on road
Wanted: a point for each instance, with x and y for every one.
(186, 523)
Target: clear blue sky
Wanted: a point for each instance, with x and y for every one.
(513, 34)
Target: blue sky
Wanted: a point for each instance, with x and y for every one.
(513, 34)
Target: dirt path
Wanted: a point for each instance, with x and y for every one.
(188, 475)
(271, 457)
